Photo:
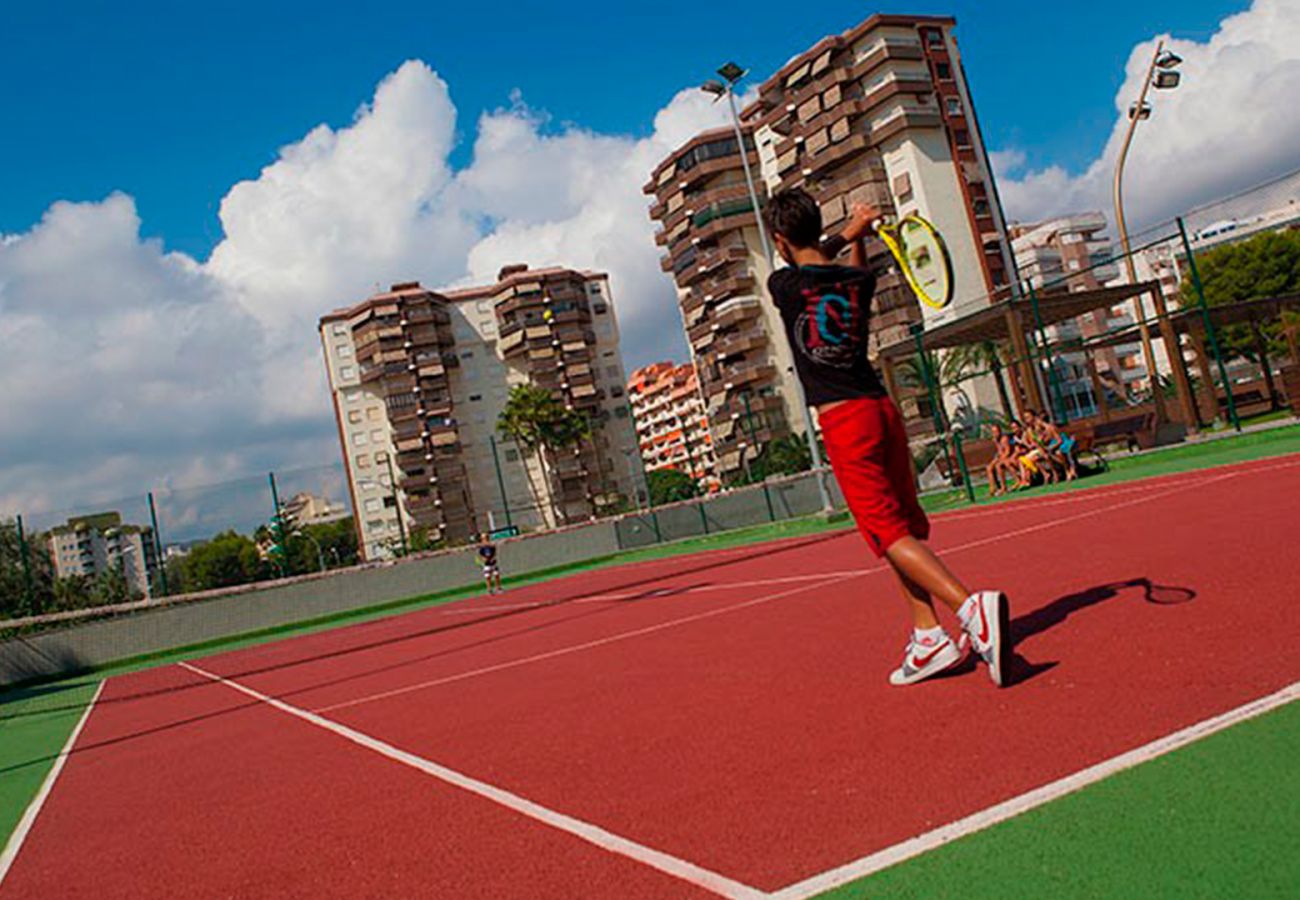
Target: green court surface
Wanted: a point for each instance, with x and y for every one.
(1217, 818)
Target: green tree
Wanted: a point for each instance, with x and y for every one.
(13, 584)
(670, 486)
(1266, 265)
(228, 559)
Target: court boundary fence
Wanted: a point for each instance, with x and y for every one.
(43, 648)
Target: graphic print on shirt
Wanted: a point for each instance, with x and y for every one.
(829, 329)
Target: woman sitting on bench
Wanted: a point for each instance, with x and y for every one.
(1003, 466)
(1058, 446)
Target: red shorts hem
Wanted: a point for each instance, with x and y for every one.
(867, 446)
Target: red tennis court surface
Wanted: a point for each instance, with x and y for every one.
(719, 722)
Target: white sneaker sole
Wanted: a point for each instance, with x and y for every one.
(999, 636)
(944, 659)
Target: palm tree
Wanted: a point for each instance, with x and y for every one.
(522, 420)
(535, 420)
(954, 367)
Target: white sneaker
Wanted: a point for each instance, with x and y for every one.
(924, 660)
(989, 629)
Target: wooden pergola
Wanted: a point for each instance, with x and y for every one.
(1014, 320)
(1191, 322)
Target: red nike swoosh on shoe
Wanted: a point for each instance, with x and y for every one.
(920, 661)
(984, 624)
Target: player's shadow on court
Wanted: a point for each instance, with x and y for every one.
(1060, 609)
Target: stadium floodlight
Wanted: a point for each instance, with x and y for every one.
(1140, 111)
(716, 88)
(732, 72)
(1168, 59)
(1166, 79)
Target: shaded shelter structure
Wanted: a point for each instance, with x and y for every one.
(1020, 324)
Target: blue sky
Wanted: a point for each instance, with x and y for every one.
(174, 103)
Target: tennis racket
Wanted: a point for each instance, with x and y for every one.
(922, 257)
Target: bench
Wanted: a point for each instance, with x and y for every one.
(1137, 431)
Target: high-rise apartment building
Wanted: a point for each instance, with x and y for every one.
(672, 428)
(880, 114)
(419, 379)
(1071, 253)
(101, 543)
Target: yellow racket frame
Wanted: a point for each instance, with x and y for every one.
(889, 233)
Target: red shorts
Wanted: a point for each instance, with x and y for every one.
(867, 446)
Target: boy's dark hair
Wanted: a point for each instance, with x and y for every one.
(795, 215)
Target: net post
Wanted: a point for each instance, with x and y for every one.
(1210, 330)
(157, 546)
(704, 519)
(23, 551)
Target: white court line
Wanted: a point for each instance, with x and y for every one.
(574, 648)
(1008, 809)
(33, 809)
(592, 834)
(684, 620)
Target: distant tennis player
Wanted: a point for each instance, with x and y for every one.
(487, 554)
(826, 310)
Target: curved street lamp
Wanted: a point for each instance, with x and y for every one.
(1161, 75)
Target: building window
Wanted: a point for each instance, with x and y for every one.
(347, 372)
(377, 436)
(944, 71)
(475, 398)
(340, 327)
(934, 37)
(953, 105)
(354, 416)
(372, 504)
(963, 137)
(620, 413)
(982, 209)
(613, 371)
(372, 414)
(381, 457)
(363, 460)
(360, 439)
(344, 349)
(467, 354)
(390, 501)
(512, 455)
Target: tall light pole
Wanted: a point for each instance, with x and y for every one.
(1166, 61)
(731, 74)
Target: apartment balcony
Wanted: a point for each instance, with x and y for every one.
(903, 118)
(376, 329)
(701, 171)
(740, 376)
(735, 311)
(733, 345)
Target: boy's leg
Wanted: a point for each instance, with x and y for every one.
(916, 563)
(919, 605)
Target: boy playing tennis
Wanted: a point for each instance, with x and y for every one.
(825, 309)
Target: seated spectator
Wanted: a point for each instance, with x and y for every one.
(1059, 447)
(1003, 465)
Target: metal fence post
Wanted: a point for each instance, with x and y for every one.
(1053, 381)
(23, 552)
(157, 546)
(961, 462)
(501, 481)
(753, 437)
(1210, 330)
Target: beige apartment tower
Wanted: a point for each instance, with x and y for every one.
(880, 114)
(419, 378)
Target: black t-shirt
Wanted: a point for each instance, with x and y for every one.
(488, 552)
(827, 311)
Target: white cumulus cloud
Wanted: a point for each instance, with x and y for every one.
(1233, 123)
